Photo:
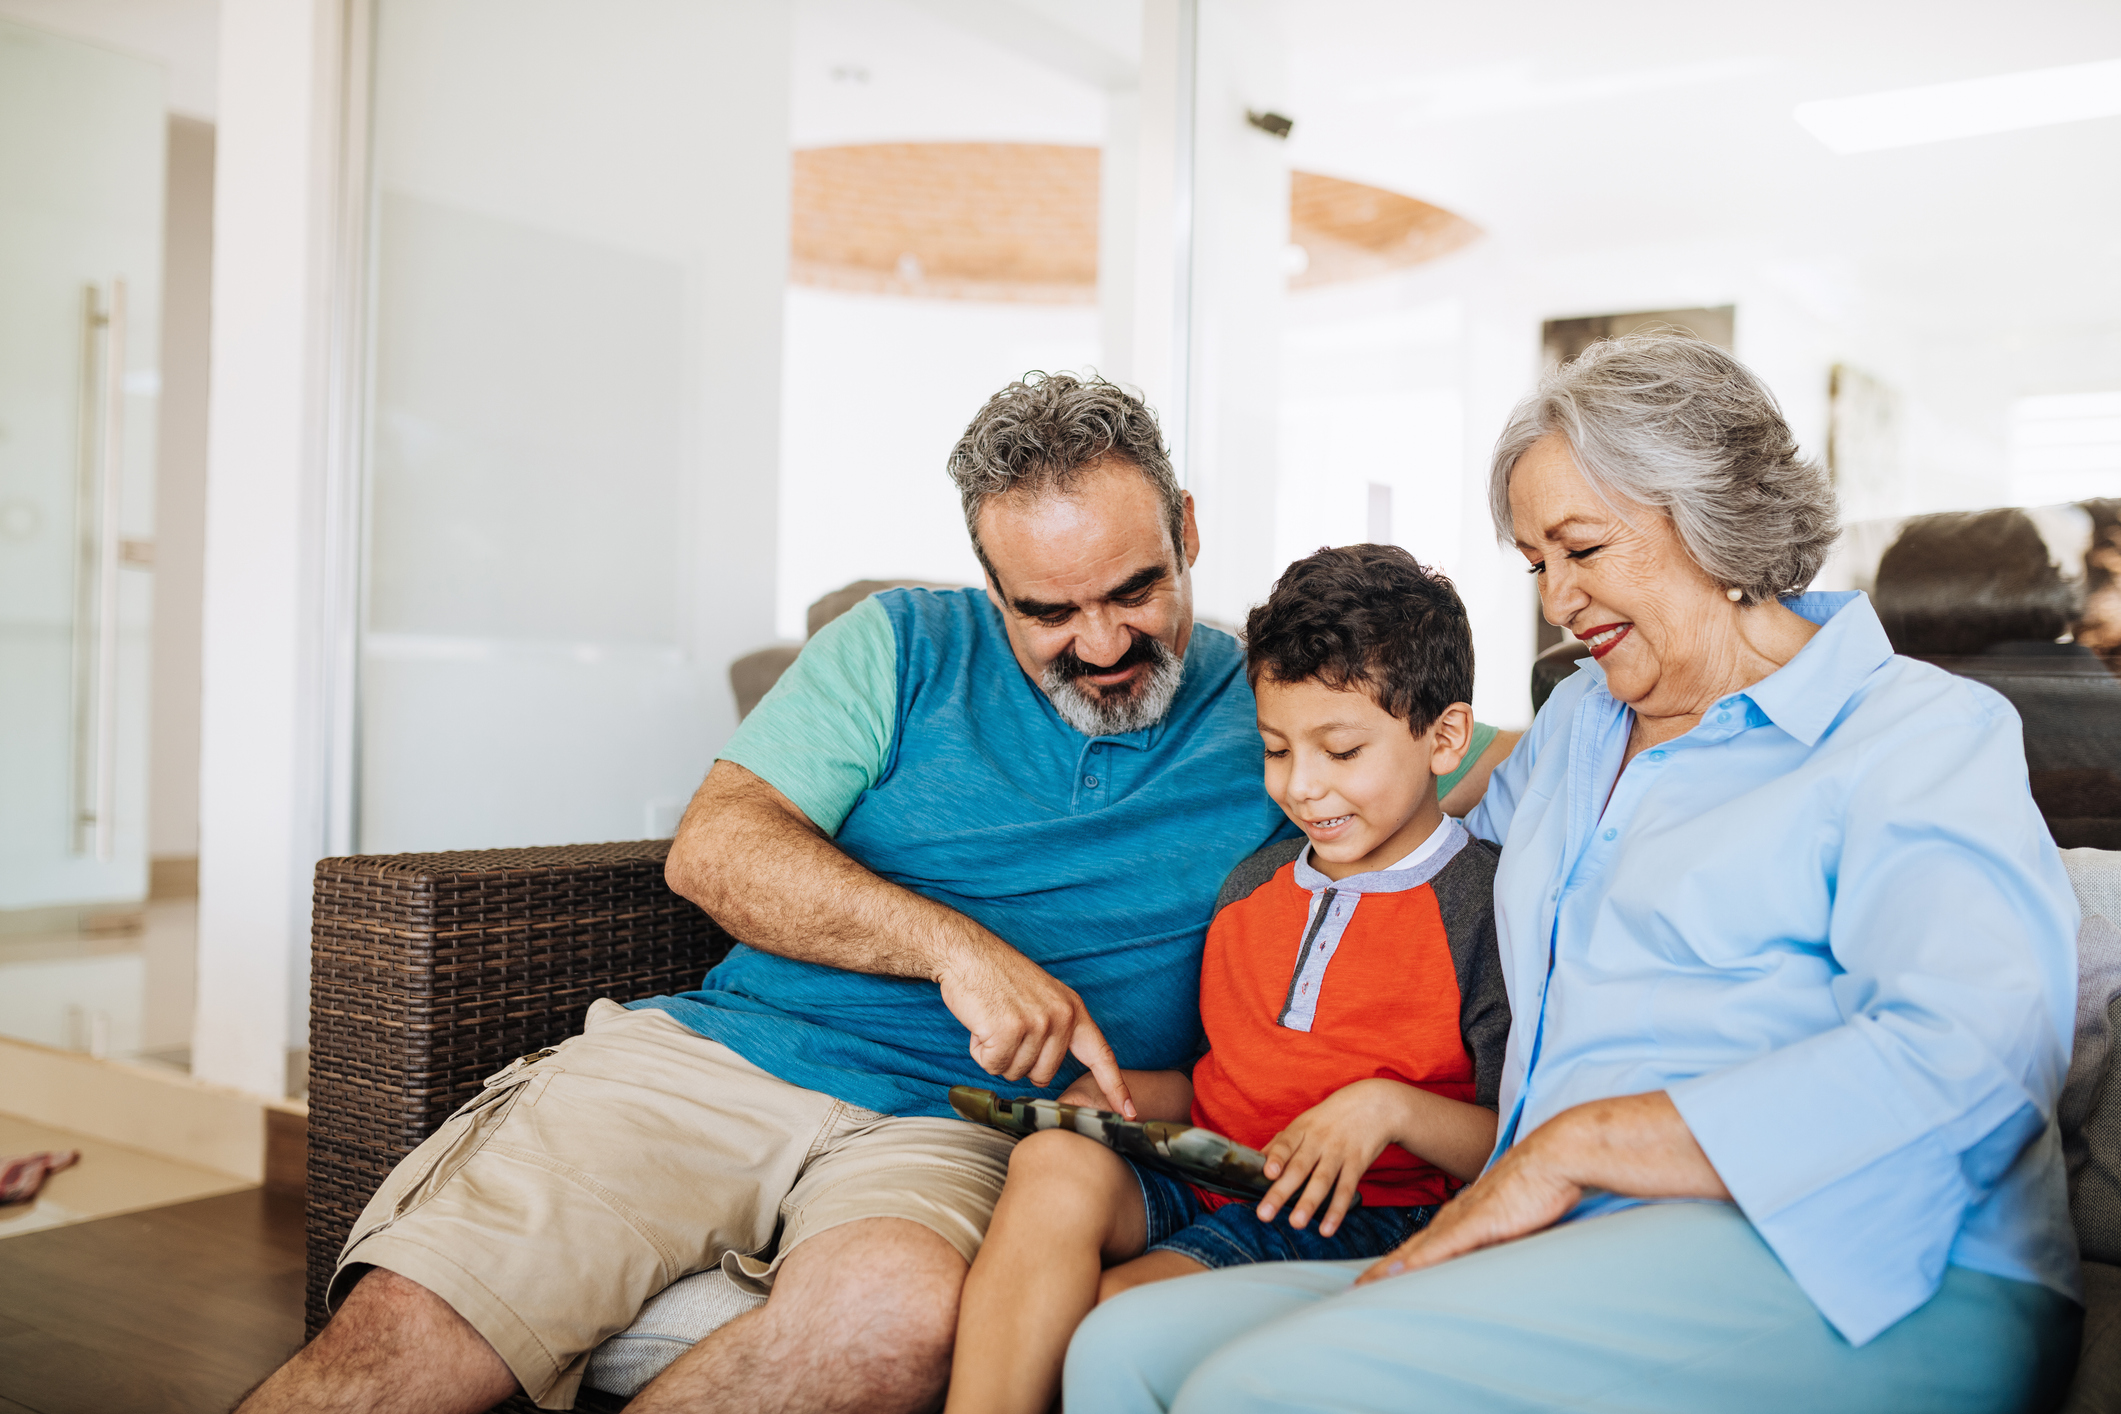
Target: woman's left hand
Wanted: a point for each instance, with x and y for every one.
(1520, 1195)
(1636, 1145)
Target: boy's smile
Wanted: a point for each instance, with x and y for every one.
(1351, 775)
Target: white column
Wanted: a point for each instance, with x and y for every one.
(1240, 223)
(1142, 313)
(1118, 197)
(262, 762)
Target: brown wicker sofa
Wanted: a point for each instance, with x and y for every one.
(429, 972)
(432, 971)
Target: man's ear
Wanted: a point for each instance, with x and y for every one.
(1189, 531)
(1450, 737)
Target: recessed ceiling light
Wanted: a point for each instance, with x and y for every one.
(2001, 103)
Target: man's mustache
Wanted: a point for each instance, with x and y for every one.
(1143, 650)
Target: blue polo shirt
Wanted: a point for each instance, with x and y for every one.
(907, 731)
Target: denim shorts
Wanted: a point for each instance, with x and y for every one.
(1233, 1235)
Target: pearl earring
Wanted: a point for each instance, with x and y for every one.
(1734, 595)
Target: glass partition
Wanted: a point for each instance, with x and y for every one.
(674, 313)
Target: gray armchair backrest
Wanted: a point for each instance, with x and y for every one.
(2091, 1102)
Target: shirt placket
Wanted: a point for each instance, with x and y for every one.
(1593, 838)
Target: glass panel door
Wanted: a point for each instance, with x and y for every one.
(579, 232)
(82, 146)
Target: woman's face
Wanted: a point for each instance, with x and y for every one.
(1622, 583)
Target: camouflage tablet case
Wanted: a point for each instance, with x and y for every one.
(1186, 1152)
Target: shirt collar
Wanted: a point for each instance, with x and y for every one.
(1419, 866)
(1806, 694)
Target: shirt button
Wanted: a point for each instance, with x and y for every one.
(1097, 748)
(1090, 781)
(1657, 756)
(1612, 834)
(1723, 716)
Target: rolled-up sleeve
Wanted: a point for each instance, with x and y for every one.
(1953, 938)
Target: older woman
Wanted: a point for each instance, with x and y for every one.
(1785, 937)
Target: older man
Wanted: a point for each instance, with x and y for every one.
(969, 834)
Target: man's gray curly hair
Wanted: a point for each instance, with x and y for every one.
(1041, 433)
(1671, 421)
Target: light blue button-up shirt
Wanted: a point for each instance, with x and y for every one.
(1830, 922)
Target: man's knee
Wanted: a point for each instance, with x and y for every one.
(882, 1293)
(392, 1343)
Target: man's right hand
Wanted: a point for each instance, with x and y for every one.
(1025, 1022)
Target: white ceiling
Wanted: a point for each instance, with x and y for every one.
(1567, 129)
(183, 36)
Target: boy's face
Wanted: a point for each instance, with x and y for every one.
(1350, 774)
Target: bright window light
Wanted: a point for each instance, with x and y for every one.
(2065, 447)
(2001, 103)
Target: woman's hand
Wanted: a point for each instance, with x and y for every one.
(1637, 1145)
(1522, 1194)
(1332, 1145)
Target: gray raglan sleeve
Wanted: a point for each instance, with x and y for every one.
(1465, 894)
(1255, 869)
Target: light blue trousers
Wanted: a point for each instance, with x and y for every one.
(1668, 1309)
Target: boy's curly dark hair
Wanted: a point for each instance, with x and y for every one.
(1370, 616)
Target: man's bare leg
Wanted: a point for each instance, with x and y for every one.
(861, 1318)
(393, 1348)
(1071, 1205)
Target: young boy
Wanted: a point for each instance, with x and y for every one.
(1350, 991)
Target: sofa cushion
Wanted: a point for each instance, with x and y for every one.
(2090, 1112)
(684, 1313)
(2097, 1388)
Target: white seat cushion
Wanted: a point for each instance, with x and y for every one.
(678, 1317)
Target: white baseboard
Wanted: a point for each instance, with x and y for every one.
(142, 1107)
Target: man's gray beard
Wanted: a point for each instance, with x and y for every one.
(1094, 715)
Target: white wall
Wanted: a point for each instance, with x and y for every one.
(878, 389)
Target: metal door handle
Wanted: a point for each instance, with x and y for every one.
(100, 473)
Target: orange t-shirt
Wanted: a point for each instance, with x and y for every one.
(1308, 985)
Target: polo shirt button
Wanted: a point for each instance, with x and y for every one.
(1612, 834)
(1090, 781)
(1657, 756)
(1723, 716)
(1097, 748)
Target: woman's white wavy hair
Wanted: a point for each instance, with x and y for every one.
(1673, 422)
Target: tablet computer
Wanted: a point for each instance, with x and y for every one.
(1185, 1151)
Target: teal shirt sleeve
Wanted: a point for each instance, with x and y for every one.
(1483, 738)
(823, 734)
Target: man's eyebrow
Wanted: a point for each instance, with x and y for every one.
(1133, 584)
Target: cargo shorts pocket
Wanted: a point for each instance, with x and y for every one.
(457, 1141)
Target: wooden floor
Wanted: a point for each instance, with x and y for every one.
(178, 1310)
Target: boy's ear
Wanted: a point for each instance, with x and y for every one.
(1450, 736)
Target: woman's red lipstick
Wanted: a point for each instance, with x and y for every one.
(1600, 649)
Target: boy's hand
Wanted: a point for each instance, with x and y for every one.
(1157, 1094)
(1087, 1093)
(1332, 1145)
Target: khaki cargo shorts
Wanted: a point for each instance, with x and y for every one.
(583, 1181)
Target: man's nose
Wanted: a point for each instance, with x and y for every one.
(1102, 640)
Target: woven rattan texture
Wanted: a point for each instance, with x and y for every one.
(429, 972)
